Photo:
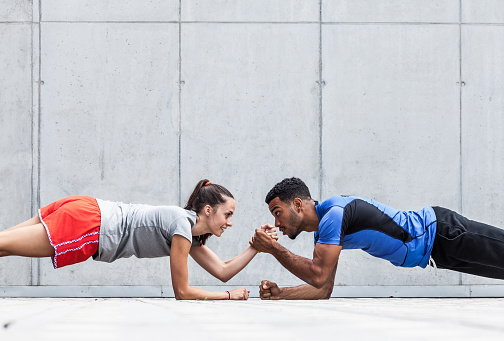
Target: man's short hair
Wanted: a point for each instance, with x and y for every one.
(288, 189)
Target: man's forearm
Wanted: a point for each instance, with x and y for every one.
(299, 266)
(306, 292)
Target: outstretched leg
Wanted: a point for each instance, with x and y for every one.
(32, 221)
(468, 246)
(26, 240)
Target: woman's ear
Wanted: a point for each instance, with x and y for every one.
(207, 209)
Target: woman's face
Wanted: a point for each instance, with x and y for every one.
(220, 218)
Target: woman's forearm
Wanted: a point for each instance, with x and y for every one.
(224, 271)
(236, 264)
(192, 293)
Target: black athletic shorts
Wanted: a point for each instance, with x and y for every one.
(468, 246)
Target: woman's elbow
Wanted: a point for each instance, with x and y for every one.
(224, 278)
(223, 275)
(182, 294)
(179, 296)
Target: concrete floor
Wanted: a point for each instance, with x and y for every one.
(339, 319)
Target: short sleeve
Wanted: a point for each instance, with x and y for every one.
(182, 227)
(330, 227)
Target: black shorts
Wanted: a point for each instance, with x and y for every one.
(468, 246)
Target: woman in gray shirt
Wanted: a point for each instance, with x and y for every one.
(75, 228)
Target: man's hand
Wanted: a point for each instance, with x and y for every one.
(269, 290)
(270, 230)
(262, 241)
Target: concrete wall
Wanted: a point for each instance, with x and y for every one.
(135, 101)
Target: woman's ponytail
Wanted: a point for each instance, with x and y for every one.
(194, 195)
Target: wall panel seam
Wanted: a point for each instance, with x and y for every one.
(320, 111)
(180, 106)
(461, 199)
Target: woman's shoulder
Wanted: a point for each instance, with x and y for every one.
(174, 211)
(170, 216)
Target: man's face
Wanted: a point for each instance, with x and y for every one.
(287, 219)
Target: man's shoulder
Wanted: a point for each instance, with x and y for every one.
(337, 201)
(330, 211)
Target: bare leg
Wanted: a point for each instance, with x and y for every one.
(32, 221)
(27, 241)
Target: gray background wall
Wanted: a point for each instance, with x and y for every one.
(135, 101)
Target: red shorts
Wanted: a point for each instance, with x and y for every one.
(73, 227)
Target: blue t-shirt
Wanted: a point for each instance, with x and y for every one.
(405, 238)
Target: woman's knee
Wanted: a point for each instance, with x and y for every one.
(4, 253)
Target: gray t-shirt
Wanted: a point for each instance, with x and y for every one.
(143, 231)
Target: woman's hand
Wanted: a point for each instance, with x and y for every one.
(239, 294)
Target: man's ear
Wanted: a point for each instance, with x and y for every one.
(298, 204)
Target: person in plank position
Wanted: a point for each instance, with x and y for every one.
(434, 235)
(76, 228)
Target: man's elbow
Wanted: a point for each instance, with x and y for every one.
(318, 282)
(324, 291)
(328, 289)
(323, 282)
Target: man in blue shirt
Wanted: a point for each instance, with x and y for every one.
(405, 238)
